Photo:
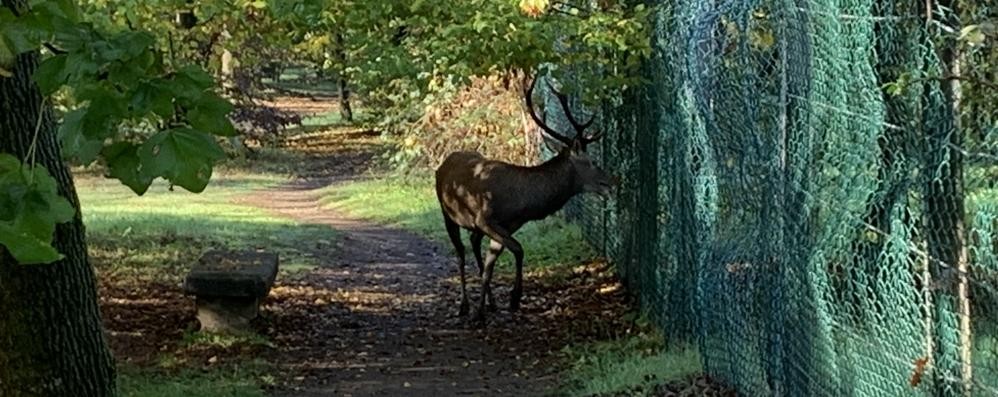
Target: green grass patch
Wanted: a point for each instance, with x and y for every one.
(411, 203)
(271, 163)
(220, 383)
(631, 364)
(224, 340)
(305, 84)
(160, 234)
(334, 118)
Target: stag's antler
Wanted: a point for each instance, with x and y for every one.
(563, 100)
(530, 105)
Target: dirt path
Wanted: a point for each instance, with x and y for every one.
(378, 317)
(384, 323)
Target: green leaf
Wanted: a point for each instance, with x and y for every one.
(7, 56)
(125, 165)
(134, 43)
(197, 75)
(51, 74)
(105, 110)
(27, 249)
(30, 209)
(972, 34)
(150, 97)
(183, 156)
(60, 9)
(76, 145)
(211, 115)
(81, 65)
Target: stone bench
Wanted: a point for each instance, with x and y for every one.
(229, 286)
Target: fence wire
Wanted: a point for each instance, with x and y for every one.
(810, 231)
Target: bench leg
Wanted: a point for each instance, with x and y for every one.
(226, 313)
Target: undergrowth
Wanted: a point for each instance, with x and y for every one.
(630, 364)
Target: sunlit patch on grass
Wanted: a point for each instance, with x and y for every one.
(161, 234)
(411, 204)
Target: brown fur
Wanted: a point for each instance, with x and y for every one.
(493, 198)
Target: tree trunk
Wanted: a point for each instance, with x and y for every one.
(341, 54)
(345, 111)
(51, 340)
(946, 230)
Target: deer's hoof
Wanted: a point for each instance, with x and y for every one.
(514, 301)
(478, 321)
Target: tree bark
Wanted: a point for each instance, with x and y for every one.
(51, 340)
(946, 235)
(345, 111)
(341, 54)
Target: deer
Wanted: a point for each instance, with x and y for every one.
(493, 198)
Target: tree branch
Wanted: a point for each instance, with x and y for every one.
(54, 50)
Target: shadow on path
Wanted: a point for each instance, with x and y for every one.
(378, 318)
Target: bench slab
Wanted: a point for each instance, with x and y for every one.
(224, 273)
(229, 286)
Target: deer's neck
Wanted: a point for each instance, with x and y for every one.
(555, 182)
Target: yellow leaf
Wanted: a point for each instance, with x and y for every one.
(762, 39)
(533, 8)
(972, 34)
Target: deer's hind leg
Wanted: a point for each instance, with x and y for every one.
(505, 238)
(495, 249)
(476, 248)
(454, 231)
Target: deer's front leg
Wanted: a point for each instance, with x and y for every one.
(517, 292)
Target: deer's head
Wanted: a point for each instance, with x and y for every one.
(593, 178)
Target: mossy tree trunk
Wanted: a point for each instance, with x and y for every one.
(51, 340)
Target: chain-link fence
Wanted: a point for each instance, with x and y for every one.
(811, 231)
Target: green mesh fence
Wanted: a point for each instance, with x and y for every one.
(810, 232)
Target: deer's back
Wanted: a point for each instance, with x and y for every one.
(469, 184)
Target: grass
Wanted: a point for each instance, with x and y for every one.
(630, 364)
(159, 234)
(223, 340)
(334, 118)
(321, 88)
(134, 382)
(410, 203)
